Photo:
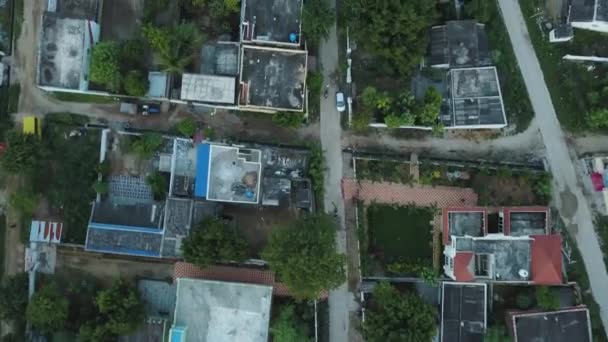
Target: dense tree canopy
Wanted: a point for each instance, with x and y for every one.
(287, 327)
(105, 65)
(304, 256)
(317, 19)
(396, 316)
(395, 31)
(187, 127)
(47, 311)
(176, 46)
(214, 240)
(13, 297)
(147, 144)
(136, 84)
(119, 312)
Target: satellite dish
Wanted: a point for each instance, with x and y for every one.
(523, 273)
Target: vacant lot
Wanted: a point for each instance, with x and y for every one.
(256, 223)
(400, 233)
(70, 170)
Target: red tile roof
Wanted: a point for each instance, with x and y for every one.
(462, 260)
(234, 274)
(403, 194)
(547, 259)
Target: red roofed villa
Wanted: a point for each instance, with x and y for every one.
(512, 245)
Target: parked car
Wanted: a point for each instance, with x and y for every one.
(340, 103)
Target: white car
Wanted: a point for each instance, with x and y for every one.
(340, 103)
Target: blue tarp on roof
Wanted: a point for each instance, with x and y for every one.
(203, 153)
(177, 334)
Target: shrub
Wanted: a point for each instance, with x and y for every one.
(105, 65)
(187, 127)
(288, 119)
(546, 298)
(136, 84)
(100, 187)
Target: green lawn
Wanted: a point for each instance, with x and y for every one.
(400, 233)
(78, 97)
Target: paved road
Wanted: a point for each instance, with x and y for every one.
(341, 302)
(574, 207)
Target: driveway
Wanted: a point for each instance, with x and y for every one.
(573, 205)
(341, 301)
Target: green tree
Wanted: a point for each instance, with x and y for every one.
(429, 112)
(287, 327)
(105, 65)
(23, 153)
(13, 297)
(121, 307)
(597, 119)
(24, 201)
(369, 97)
(546, 298)
(304, 256)
(316, 170)
(394, 31)
(543, 188)
(136, 84)
(100, 187)
(47, 311)
(314, 83)
(214, 241)
(317, 19)
(158, 184)
(147, 144)
(187, 127)
(288, 119)
(395, 316)
(176, 46)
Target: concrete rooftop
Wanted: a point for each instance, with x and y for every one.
(272, 78)
(271, 21)
(62, 52)
(217, 311)
(234, 174)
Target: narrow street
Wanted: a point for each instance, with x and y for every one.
(573, 205)
(341, 301)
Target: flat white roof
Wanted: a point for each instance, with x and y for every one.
(222, 311)
(208, 88)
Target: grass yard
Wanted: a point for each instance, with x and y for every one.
(400, 233)
(77, 97)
